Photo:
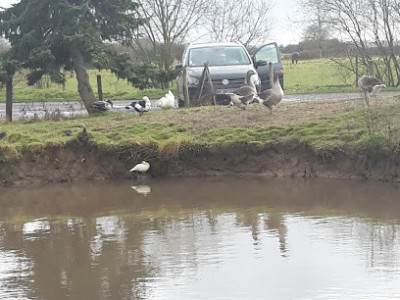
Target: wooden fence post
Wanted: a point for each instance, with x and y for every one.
(9, 98)
(185, 88)
(99, 88)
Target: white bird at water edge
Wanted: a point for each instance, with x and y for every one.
(143, 167)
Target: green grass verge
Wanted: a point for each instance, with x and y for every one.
(365, 128)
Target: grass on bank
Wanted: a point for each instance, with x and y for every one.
(350, 125)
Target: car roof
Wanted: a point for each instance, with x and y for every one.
(214, 44)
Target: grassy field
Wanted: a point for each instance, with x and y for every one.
(317, 76)
(312, 76)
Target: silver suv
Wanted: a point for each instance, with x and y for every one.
(228, 64)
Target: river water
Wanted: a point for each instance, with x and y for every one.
(244, 238)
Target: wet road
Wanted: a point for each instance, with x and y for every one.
(31, 110)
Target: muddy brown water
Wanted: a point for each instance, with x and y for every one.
(243, 238)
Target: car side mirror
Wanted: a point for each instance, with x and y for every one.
(178, 66)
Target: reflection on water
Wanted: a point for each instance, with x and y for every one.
(201, 239)
(143, 189)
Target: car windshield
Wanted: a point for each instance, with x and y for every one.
(218, 56)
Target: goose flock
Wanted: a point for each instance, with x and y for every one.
(243, 96)
(248, 94)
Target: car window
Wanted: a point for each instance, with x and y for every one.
(268, 53)
(218, 56)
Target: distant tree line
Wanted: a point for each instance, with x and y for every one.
(368, 31)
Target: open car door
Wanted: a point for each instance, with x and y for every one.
(268, 53)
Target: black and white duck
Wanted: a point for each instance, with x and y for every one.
(141, 106)
(103, 105)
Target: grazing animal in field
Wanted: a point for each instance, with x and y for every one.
(295, 57)
(142, 168)
(271, 97)
(243, 96)
(103, 105)
(141, 106)
(370, 86)
(167, 101)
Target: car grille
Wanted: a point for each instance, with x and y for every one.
(233, 83)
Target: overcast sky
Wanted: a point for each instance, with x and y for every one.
(286, 27)
(285, 16)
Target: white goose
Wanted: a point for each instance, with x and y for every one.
(241, 97)
(140, 106)
(167, 101)
(142, 168)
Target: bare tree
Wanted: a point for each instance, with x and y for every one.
(317, 30)
(371, 28)
(167, 24)
(246, 21)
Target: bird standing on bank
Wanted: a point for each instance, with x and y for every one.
(103, 105)
(142, 168)
(370, 86)
(241, 97)
(271, 97)
(140, 106)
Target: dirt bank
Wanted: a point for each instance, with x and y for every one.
(84, 162)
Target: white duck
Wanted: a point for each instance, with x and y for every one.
(370, 86)
(241, 97)
(274, 95)
(103, 105)
(140, 106)
(167, 101)
(143, 167)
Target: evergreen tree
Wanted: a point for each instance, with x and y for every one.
(49, 36)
